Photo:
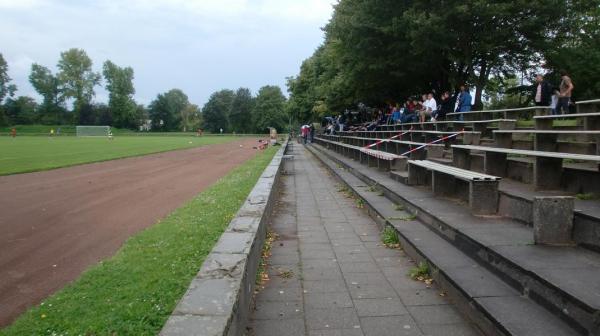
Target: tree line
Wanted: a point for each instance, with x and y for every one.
(378, 51)
(74, 83)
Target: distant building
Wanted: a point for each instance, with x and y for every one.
(146, 125)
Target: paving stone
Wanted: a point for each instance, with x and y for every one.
(318, 254)
(324, 286)
(321, 274)
(379, 307)
(313, 239)
(315, 246)
(267, 310)
(356, 267)
(438, 314)
(354, 257)
(336, 332)
(284, 259)
(363, 279)
(282, 248)
(461, 329)
(281, 294)
(349, 234)
(402, 325)
(422, 297)
(334, 318)
(372, 292)
(328, 300)
(350, 249)
(292, 327)
(346, 241)
(384, 252)
(319, 263)
(281, 282)
(369, 238)
(392, 261)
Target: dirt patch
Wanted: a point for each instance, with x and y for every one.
(55, 224)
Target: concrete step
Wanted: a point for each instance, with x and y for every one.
(495, 307)
(562, 280)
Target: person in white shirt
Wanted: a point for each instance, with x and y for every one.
(429, 106)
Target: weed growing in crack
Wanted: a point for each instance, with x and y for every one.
(389, 238)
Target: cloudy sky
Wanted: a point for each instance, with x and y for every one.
(199, 46)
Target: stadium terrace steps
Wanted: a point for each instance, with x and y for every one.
(551, 287)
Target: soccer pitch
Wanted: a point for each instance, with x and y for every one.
(34, 153)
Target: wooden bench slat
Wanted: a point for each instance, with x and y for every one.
(557, 155)
(548, 131)
(573, 115)
(457, 172)
(504, 110)
(379, 154)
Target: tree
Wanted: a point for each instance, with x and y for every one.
(6, 89)
(119, 84)
(22, 110)
(49, 87)
(191, 118)
(77, 77)
(580, 54)
(166, 110)
(240, 116)
(215, 112)
(269, 110)
(380, 51)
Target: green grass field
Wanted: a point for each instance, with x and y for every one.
(134, 292)
(33, 153)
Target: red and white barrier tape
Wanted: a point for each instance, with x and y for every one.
(377, 143)
(432, 142)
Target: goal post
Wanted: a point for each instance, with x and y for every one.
(91, 131)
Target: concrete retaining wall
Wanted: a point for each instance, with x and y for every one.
(218, 300)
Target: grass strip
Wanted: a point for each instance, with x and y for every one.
(134, 292)
(25, 154)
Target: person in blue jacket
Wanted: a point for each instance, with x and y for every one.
(464, 101)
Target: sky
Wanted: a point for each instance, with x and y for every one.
(198, 46)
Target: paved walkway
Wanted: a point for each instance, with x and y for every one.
(330, 275)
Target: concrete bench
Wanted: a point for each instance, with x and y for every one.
(545, 140)
(373, 158)
(591, 121)
(547, 169)
(480, 190)
(588, 106)
(511, 113)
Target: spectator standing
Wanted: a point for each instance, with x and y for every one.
(565, 90)
(446, 106)
(396, 115)
(304, 131)
(464, 99)
(13, 132)
(542, 91)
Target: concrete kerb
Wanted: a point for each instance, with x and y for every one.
(218, 300)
